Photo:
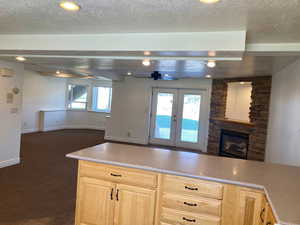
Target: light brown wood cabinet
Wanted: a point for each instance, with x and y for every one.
(111, 195)
(134, 206)
(269, 218)
(251, 207)
(94, 203)
(104, 200)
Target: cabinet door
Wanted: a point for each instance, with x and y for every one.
(251, 208)
(134, 206)
(95, 204)
(269, 219)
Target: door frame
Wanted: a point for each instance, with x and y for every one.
(153, 111)
(204, 118)
(201, 132)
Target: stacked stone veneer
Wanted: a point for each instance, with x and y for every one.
(259, 113)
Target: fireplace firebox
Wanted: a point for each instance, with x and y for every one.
(234, 144)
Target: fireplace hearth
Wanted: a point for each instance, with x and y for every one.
(234, 144)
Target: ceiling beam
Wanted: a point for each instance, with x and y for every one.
(194, 41)
(273, 49)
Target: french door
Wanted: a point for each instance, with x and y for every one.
(177, 117)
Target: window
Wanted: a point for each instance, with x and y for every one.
(102, 99)
(77, 96)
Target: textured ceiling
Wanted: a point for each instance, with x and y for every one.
(265, 20)
(117, 68)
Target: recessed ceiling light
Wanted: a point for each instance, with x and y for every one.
(70, 6)
(147, 53)
(146, 62)
(208, 76)
(211, 53)
(242, 82)
(129, 73)
(167, 75)
(209, 1)
(57, 72)
(63, 75)
(211, 64)
(21, 58)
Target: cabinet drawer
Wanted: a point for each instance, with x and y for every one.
(195, 187)
(171, 216)
(192, 204)
(118, 174)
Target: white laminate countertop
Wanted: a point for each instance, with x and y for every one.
(281, 183)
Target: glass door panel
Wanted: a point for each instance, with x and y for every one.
(190, 118)
(163, 113)
(178, 118)
(163, 117)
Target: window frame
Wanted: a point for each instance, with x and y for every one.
(95, 99)
(70, 97)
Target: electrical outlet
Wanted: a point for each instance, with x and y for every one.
(128, 134)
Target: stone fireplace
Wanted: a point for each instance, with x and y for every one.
(254, 131)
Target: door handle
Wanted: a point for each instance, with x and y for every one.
(190, 188)
(190, 204)
(115, 175)
(174, 118)
(189, 220)
(111, 194)
(262, 215)
(117, 195)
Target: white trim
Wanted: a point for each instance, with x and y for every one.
(127, 140)
(180, 41)
(29, 130)
(84, 127)
(61, 127)
(273, 47)
(9, 162)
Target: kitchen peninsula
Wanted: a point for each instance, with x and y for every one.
(134, 185)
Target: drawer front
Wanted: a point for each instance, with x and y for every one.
(170, 216)
(118, 174)
(195, 187)
(192, 204)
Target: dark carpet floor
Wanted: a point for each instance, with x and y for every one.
(42, 189)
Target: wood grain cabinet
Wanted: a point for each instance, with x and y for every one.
(111, 195)
(109, 202)
(94, 202)
(251, 208)
(134, 206)
(269, 218)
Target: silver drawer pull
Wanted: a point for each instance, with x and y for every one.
(190, 204)
(189, 220)
(190, 188)
(116, 175)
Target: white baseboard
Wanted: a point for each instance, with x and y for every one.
(59, 127)
(29, 130)
(84, 127)
(9, 162)
(127, 139)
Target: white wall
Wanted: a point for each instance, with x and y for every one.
(283, 142)
(131, 106)
(238, 101)
(48, 94)
(10, 128)
(40, 93)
